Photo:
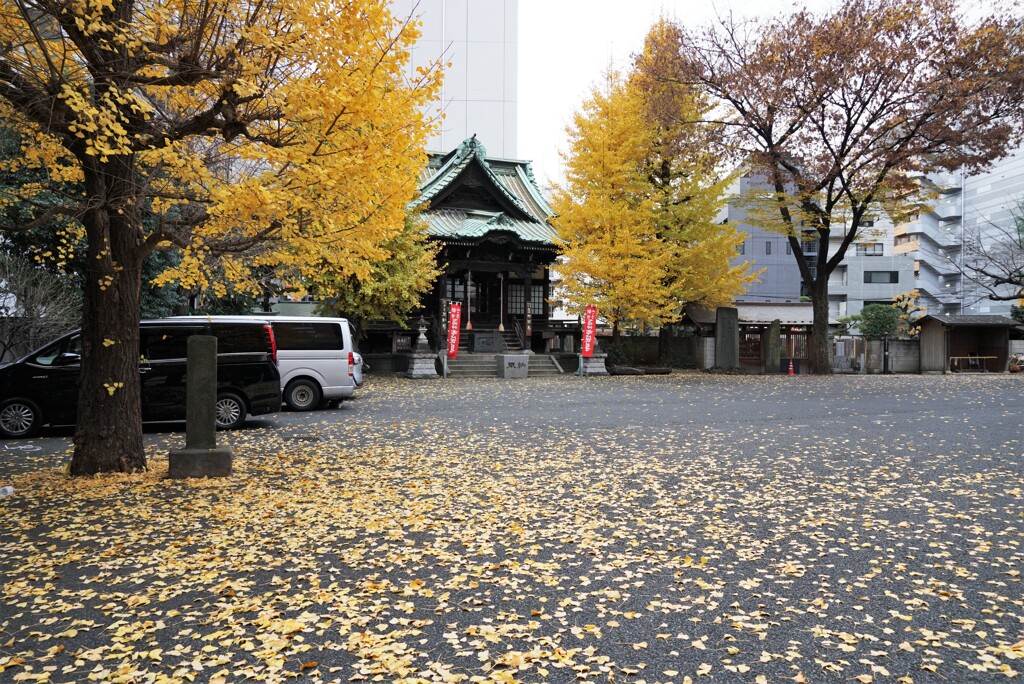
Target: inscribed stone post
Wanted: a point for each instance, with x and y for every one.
(773, 348)
(727, 337)
(201, 456)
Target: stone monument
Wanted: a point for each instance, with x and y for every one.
(513, 365)
(201, 456)
(773, 348)
(727, 338)
(595, 365)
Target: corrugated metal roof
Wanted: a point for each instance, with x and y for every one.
(975, 321)
(753, 313)
(456, 223)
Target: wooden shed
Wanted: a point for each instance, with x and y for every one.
(951, 344)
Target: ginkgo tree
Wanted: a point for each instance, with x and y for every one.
(611, 255)
(396, 283)
(267, 134)
(636, 216)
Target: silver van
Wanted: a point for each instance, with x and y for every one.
(317, 358)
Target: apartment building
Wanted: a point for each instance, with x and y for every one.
(871, 272)
(769, 252)
(965, 207)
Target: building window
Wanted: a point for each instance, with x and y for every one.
(789, 248)
(516, 306)
(537, 300)
(515, 298)
(768, 247)
(870, 249)
(881, 277)
(743, 248)
(867, 223)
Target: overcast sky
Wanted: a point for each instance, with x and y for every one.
(565, 45)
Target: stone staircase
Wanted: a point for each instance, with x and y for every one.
(472, 365)
(485, 366)
(542, 365)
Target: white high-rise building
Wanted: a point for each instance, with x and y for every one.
(479, 39)
(981, 205)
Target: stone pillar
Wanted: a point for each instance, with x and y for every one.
(727, 338)
(773, 348)
(201, 456)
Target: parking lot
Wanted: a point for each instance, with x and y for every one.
(728, 528)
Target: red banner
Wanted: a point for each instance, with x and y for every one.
(454, 323)
(589, 328)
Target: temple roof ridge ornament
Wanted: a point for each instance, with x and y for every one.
(471, 146)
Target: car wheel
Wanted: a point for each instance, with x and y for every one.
(302, 395)
(230, 411)
(20, 418)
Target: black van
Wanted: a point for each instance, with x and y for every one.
(42, 387)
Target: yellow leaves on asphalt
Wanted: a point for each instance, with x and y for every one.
(355, 549)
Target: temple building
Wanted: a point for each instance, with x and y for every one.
(497, 248)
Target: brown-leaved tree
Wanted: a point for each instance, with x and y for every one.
(839, 112)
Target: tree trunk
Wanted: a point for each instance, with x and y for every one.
(108, 434)
(818, 345)
(665, 336)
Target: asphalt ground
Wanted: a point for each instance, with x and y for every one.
(627, 529)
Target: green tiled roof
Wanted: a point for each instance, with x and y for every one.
(469, 224)
(512, 183)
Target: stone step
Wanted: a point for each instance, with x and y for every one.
(486, 366)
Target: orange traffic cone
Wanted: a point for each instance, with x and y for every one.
(791, 367)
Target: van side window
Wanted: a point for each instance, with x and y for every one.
(309, 336)
(48, 356)
(240, 339)
(162, 344)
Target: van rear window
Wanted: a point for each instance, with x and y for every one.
(309, 336)
(239, 338)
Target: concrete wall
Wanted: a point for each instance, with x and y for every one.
(904, 356)
(644, 351)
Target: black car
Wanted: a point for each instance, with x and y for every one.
(42, 387)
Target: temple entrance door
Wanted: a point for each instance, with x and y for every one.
(479, 292)
(486, 302)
